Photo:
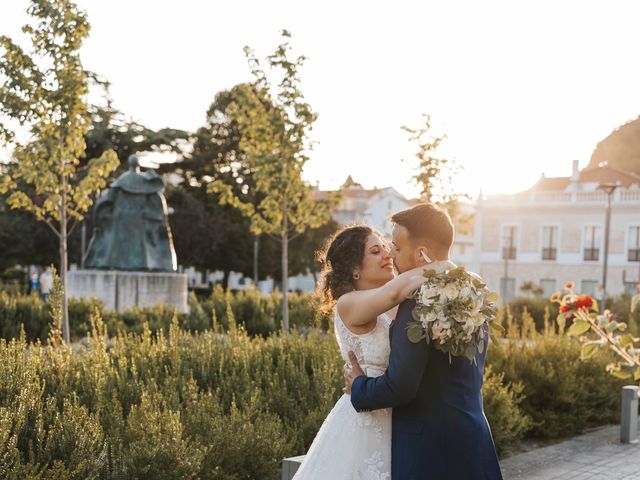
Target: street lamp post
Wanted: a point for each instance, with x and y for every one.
(608, 188)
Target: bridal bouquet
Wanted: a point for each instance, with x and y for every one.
(451, 308)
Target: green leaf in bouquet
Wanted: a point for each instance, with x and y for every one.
(493, 297)
(479, 284)
(588, 350)
(636, 375)
(470, 351)
(579, 327)
(415, 333)
(489, 312)
(495, 325)
(457, 272)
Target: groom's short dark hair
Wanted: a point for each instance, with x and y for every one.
(427, 222)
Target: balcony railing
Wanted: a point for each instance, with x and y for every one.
(634, 255)
(561, 197)
(591, 254)
(509, 253)
(549, 253)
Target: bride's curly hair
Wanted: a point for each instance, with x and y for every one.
(342, 253)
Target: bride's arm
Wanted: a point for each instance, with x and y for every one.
(360, 307)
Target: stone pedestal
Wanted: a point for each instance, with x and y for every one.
(290, 466)
(121, 290)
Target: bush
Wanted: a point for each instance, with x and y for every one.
(536, 307)
(259, 314)
(539, 307)
(178, 404)
(502, 407)
(562, 395)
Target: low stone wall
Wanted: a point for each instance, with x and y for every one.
(122, 290)
(290, 466)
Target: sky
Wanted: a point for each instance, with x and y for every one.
(520, 88)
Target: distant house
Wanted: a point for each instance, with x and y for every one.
(371, 206)
(554, 232)
(376, 206)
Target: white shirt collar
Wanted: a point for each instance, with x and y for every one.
(440, 266)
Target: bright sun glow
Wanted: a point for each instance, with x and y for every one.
(520, 88)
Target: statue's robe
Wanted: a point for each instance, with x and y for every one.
(131, 228)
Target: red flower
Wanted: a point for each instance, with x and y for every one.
(564, 308)
(584, 301)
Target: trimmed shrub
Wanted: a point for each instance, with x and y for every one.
(562, 395)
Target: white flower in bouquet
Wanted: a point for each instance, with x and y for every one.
(460, 317)
(428, 294)
(469, 327)
(466, 292)
(441, 330)
(451, 291)
(428, 318)
(477, 319)
(451, 309)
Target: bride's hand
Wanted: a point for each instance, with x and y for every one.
(414, 280)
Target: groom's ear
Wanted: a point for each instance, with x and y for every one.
(422, 251)
(424, 254)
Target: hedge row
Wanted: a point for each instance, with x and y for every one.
(216, 405)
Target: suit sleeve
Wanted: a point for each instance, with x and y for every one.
(399, 384)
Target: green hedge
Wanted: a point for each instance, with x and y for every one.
(538, 307)
(214, 405)
(561, 394)
(259, 314)
(184, 405)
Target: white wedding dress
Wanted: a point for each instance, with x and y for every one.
(352, 445)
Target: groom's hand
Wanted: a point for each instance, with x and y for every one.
(351, 372)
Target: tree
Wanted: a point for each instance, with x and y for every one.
(109, 130)
(45, 92)
(217, 154)
(435, 174)
(24, 240)
(207, 235)
(274, 123)
(533, 288)
(620, 149)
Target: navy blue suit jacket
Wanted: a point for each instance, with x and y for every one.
(440, 431)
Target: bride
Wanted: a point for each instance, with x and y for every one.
(358, 282)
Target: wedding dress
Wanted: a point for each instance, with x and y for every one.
(352, 445)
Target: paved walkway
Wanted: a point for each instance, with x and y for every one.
(598, 455)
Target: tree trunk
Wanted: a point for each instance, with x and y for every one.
(63, 259)
(256, 249)
(83, 243)
(285, 272)
(225, 280)
(285, 284)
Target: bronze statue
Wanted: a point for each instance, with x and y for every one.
(130, 225)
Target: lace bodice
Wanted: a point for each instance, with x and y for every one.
(371, 349)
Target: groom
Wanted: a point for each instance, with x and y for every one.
(440, 431)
